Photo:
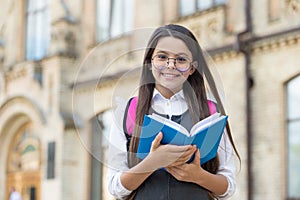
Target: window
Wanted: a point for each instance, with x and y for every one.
(188, 7)
(51, 160)
(204, 4)
(293, 126)
(37, 29)
(114, 17)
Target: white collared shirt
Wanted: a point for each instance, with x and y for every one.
(117, 156)
(176, 105)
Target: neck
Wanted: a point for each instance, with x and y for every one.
(166, 92)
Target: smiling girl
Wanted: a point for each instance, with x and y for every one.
(172, 85)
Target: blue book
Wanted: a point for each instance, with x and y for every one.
(206, 134)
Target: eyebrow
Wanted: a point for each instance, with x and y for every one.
(177, 54)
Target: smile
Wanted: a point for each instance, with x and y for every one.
(170, 75)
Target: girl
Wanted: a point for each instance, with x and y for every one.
(172, 84)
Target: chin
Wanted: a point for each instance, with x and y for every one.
(173, 88)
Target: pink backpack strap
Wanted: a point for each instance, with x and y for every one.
(212, 107)
(129, 116)
(129, 119)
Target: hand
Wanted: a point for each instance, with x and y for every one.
(187, 172)
(168, 155)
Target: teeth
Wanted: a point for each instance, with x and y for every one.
(169, 75)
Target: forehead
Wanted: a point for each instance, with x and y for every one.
(172, 45)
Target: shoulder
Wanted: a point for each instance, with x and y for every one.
(119, 109)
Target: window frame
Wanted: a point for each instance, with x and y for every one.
(118, 24)
(51, 157)
(289, 121)
(40, 32)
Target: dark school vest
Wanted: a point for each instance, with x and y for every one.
(161, 185)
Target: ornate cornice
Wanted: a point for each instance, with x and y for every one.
(258, 44)
(227, 55)
(275, 43)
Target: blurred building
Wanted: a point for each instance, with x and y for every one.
(63, 62)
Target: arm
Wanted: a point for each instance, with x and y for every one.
(137, 173)
(216, 183)
(227, 167)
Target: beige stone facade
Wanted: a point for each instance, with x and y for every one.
(59, 98)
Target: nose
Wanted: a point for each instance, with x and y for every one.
(174, 63)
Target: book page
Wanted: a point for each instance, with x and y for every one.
(205, 123)
(170, 123)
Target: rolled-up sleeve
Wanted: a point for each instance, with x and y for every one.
(227, 166)
(115, 186)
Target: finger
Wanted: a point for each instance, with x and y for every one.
(168, 169)
(172, 170)
(179, 149)
(177, 163)
(197, 158)
(183, 157)
(188, 153)
(175, 168)
(156, 141)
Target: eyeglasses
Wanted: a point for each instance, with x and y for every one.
(162, 61)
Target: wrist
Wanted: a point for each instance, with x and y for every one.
(202, 177)
(150, 164)
(215, 183)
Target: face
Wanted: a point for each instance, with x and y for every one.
(169, 78)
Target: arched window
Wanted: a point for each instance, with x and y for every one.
(293, 138)
(37, 29)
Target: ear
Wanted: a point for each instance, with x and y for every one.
(194, 67)
(195, 64)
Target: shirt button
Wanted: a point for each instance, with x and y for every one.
(168, 103)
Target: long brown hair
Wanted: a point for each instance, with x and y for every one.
(193, 89)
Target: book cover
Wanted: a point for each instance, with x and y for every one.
(206, 134)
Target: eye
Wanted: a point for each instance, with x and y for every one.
(162, 57)
(181, 59)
